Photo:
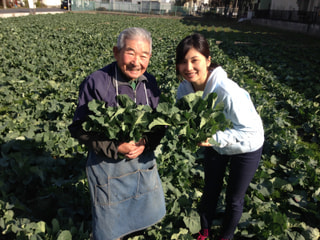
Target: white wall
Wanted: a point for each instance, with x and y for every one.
(52, 3)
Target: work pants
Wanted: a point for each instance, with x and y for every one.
(242, 168)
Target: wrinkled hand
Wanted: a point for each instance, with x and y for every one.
(132, 149)
(205, 143)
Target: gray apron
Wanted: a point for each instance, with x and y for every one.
(126, 195)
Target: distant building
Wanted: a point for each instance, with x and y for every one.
(289, 5)
(296, 15)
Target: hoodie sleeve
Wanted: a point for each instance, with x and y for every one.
(247, 133)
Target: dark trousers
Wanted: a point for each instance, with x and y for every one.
(242, 168)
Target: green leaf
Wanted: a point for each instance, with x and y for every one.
(55, 226)
(176, 236)
(125, 101)
(294, 235)
(158, 122)
(65, 235)
(41, 227)
(192, 221)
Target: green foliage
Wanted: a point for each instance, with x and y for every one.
(124, 123)
(44, 58)
(193, 119)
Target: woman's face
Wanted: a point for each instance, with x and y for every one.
(194, 68)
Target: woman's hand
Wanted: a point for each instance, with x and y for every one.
(132, 149)
(205, 143)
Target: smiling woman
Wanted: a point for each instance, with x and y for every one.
(238, 148)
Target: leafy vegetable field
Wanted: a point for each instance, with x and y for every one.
(44, 193)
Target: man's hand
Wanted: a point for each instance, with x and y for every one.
(132, 149)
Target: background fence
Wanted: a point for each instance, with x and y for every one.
(154, 7)
(290, 16)
(145, 7)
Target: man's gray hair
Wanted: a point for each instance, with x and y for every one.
(134, 33)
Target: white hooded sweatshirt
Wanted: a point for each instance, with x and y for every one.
(247, 134)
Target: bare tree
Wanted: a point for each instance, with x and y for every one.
(245, 5)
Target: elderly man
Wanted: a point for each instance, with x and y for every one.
(126, 194)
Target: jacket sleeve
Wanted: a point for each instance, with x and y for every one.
(93, 140)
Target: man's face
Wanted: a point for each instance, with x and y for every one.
(133, 59)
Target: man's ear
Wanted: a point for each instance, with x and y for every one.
(115, 52)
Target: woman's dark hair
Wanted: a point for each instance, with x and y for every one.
(196, 41)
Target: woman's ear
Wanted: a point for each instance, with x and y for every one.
(209, 61)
